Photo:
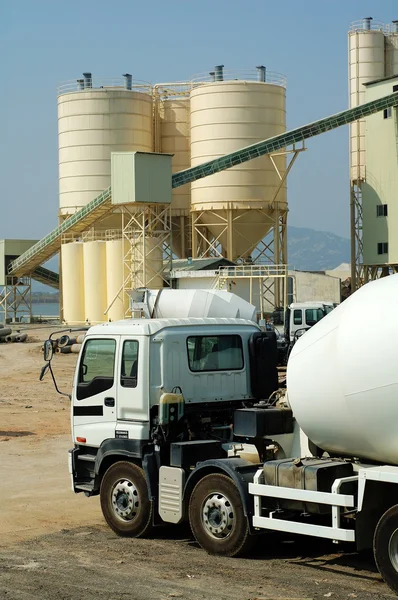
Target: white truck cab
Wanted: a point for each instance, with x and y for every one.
(303, 315)
(126, 367)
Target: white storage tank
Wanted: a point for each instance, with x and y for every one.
(342, 376)
(95, 292)
(116, 273)
(227, 115)
(95, 119)
(72, 282)
(366, 63)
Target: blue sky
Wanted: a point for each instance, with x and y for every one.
(43, 42)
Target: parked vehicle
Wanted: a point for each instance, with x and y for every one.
(161, 407)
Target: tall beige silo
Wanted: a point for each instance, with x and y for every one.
(116, 273)
(73, 287)
(96, 118)
(147, 262)
(174, 138)
(238, 206)
(366, 63)
(94, 121)
(95, 292)
(392, 50)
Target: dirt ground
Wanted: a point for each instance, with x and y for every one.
(54, 544)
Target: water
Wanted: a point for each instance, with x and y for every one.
(45, 308)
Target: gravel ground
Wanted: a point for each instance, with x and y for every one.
(54, 544)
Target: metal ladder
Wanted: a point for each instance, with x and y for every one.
(95, 210)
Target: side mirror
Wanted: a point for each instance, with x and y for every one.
(48, 350)
(44, 371)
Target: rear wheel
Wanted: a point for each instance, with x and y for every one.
(385, 547)
(217, 518)
(124, 500)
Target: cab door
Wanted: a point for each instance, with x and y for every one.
(133, 391)
(95, 391)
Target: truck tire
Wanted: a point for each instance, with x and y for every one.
(385, 547)
(124, 500)
(216, 517)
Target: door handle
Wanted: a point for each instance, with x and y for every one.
(109, 401)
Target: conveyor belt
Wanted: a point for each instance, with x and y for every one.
(95, 210)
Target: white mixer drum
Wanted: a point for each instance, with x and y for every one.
(342, 376)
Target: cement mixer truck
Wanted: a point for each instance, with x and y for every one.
(182, 419)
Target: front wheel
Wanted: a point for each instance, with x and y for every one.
(385, 547)
(124, 499)
(217, 518)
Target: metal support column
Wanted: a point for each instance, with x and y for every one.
(16, 299)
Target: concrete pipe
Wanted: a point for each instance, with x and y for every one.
(5, 331)
(11, 338)
(66, 350)
(22, 337)
(75, 348)
(80, 338)
(63, 341)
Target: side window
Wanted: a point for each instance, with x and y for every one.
(215, 353)
(96, 370)
(128, 377)
(313, 315)
(297, 317)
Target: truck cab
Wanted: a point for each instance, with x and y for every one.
(303, 315)
(125, 368)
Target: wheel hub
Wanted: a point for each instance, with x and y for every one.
(393, 549)
(218, 516)
(125, 500)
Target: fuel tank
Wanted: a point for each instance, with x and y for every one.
(342, 376)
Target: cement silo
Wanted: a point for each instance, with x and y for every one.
(116, 273)
(366, 63)
(172, 136)
(373, 55)
(238, 207)
(72, 301)
(392, 50)
(94, 120)
(95, 285)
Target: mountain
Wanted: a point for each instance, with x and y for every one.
(311, 250)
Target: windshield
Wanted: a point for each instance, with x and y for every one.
(313, 315)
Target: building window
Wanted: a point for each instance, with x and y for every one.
(382, 248)
(215, 353)
(387, 113)
(395, 88)
(381, 210)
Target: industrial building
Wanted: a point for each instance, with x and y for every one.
(373, 72)
(153, 174)
(227, 214)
